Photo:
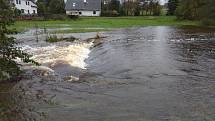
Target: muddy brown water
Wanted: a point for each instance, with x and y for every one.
(139, 74)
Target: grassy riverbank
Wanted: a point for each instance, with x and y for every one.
(88, 24)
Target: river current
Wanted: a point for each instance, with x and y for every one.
(138, 74)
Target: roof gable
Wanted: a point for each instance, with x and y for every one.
(83, 5)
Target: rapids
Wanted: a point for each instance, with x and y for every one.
(156, 73)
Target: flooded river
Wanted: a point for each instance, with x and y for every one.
(137, 74)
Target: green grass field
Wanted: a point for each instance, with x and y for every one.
(87, 24)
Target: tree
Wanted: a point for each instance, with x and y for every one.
(56, 7)
(202, 10)
(207, 12)
(9, 68)
(172, 5)
(131, 7)
(111, 8)
(42, 7)
(189, 9)
(156, 9)
(47, 7)
(114, 5)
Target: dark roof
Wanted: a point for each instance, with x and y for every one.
(81, 5)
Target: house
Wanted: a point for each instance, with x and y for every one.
(83, 7)
(27, 7)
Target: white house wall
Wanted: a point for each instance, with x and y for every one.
(84, 13)
(31, 7)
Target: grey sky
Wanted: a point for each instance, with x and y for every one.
(163, 1)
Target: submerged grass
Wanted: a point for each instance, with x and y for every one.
(54, 38)
(92, 24)
(81, 30)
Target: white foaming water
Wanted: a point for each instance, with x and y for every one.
(73, 54)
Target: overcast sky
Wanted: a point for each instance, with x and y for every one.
(163, 1)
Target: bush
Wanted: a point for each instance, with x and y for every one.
(208, 22)
(56, 17)
(9, 68)
(73, 17)
(110, 13)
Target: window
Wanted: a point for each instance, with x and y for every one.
(94, 12)
(17, 1)
(80, 13)
(73, 4)
(34, 11)
(28, 12)
(22, 11)
(26, 3)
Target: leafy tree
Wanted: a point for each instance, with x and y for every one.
(17, 12)
(9, 68)
(131, 8)
(114, 5)
(172, 5)
(156, 9)
(46, 7)
(207, 12)
(42, 9)
(56, 6)
(189, 9)
(111, 8)
(137, 11)
(203, 10)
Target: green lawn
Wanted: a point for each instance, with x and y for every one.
(87, 24)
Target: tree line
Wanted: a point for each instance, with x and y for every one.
(131, 8)
(109, 7)
(202, 10)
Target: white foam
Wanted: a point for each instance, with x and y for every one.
(74, 54)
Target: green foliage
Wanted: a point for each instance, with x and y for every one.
(57, 17)
(172, 5)
(207, 12)
(48, 7)
(131, 8)
(17, 12)
(189, 9)
(137, 11)
(156, 9)
(42, 9)
(111, 8)
(114, 5)
(203, 10)
(56, 7)
(110, 13)
(8, 50)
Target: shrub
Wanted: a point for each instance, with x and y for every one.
(56, 17)
(208, 22)
(9, 68)
(73, 17)
(110, 13)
